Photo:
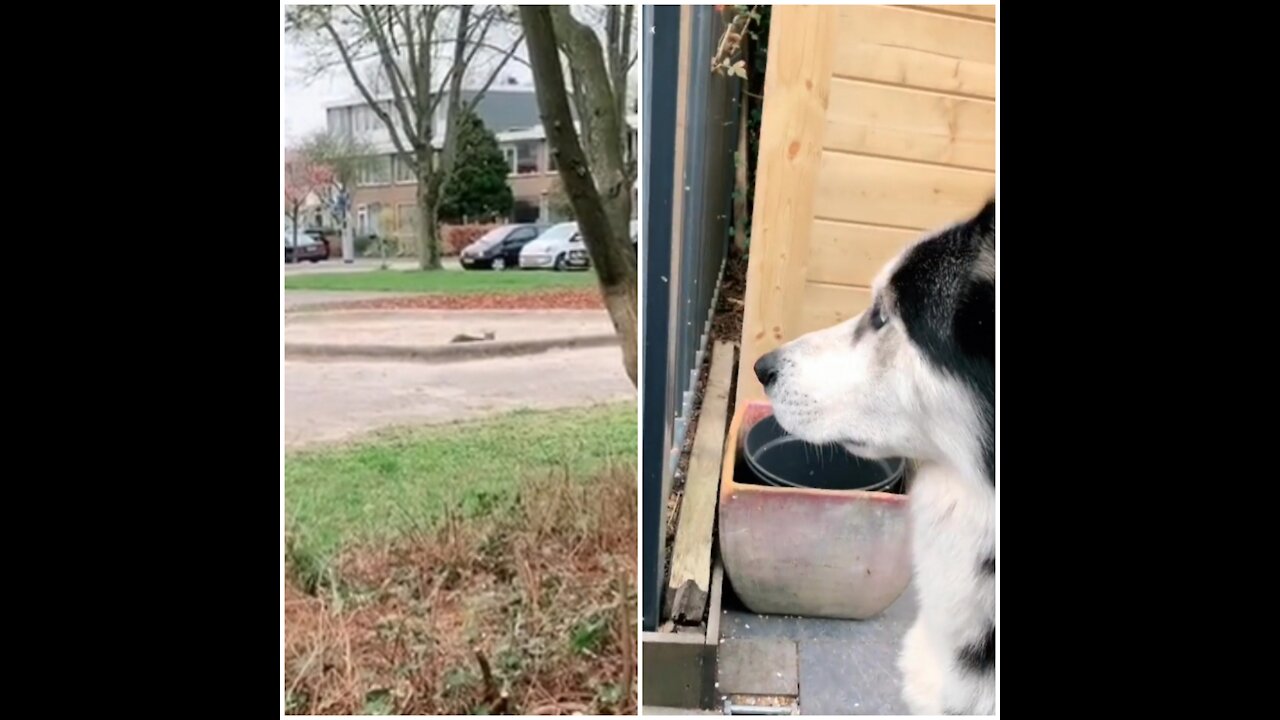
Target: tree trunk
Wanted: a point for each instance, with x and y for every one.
(610, 252)
(293, 217)
(606, 133)
(428, 229)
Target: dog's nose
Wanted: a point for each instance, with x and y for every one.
(767, 369)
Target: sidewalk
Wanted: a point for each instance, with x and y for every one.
(438, 336)
(296, 299)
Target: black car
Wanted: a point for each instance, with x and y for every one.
(499, 248)
(327, 237)
(305, 246)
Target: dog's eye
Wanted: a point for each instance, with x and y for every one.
(878, 317)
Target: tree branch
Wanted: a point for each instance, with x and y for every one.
(410, 43)
(575, 173)
(394, 76)
(455, 97)
(364, 90)
(510, 52)
(604, 127)
(619, 66)
(614, 262)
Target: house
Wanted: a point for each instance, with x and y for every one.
(384, 198)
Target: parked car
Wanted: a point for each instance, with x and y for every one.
(579, 258)
(328, 236)
(304, 247)
(551, 248)
(499, 248)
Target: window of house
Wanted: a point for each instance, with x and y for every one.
(362, 220)
(404, 172)
(366, 120)
(376, 171)
(509, 152)
(552, 165)
(526, 157)
(339, 120)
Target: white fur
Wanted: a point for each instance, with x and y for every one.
(953, 524)
(880, 397)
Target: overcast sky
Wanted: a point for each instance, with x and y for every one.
(305, 98)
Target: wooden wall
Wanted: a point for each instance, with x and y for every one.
(879, 124)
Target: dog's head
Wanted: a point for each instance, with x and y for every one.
(912, 376)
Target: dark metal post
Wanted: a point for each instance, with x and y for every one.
(661, 33)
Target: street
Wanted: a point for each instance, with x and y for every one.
(332, 401)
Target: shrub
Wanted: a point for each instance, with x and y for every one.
(456, 237)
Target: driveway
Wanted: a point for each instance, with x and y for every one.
(333, 401)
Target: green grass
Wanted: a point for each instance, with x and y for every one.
(449, 282)
(396, 482)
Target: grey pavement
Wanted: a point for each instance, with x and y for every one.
(333, 401)
(846, 667)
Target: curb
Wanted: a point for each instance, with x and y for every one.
(443, 353)
(306, 317)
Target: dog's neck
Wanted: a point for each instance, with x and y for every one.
(961, 460)
(960, 444)
(971, 473)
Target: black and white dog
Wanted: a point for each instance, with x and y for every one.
(914, 376)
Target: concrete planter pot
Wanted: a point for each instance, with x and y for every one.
(801, 551)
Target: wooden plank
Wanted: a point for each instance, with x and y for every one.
(979, 12)
(797, 83)
(682, 101)
(740, 157)
(897, 193)
(825, 305)
(890, 26)
(714, 607)
(689, 586)
(909, 48)
(905, 67)
(850, 254)
(678, 195)
(911, 125)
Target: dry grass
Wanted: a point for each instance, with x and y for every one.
(529, 611)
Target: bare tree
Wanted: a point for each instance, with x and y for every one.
(405, 40)
(303, 180)
(346, 157)
(599, 77)
(599, 188)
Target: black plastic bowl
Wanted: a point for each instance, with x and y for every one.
(784, 460)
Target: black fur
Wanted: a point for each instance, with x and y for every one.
(989, 566)
(949, 311)
(980, 655)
